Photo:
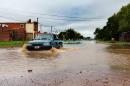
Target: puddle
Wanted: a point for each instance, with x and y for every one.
(88, 61)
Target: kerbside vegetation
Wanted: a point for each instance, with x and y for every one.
(117, 25)
(11, 44)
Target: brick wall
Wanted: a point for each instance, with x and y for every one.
(19, 35)
(12, 25)
(16, 31)
(8, 35)
(12, 31)
(5, 36)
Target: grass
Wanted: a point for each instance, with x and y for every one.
(114, 42)
(12, 44)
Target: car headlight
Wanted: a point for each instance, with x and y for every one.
(46, 44)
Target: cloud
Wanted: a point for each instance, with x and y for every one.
(93, 12)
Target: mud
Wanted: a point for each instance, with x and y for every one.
(119, 49)
(87, 64)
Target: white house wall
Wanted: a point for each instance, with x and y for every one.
(29, 28)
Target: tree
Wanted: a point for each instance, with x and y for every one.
(117, 24)
(97, 31)
(62, 35)
(70, 34)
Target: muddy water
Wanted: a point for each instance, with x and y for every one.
(86, 64)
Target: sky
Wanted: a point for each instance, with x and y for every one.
(82, 15)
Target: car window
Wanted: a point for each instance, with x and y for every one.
(56, 37)
(44, 37)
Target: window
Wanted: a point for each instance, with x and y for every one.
(21, 25)
(4, 25)
(44, 37)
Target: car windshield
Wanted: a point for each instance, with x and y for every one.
(44, 37)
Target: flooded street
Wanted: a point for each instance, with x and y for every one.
(86, 64)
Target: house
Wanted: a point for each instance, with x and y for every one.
(125, 36)
(31, 29)
(12, 31)
(18, 30)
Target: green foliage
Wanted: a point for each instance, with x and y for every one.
(87, 38)
(116, 24)
(12, 44)
(70, 34)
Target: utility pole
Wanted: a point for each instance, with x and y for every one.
(37, 20)
(40, 27)
(51, 29)
(37, 28)
(37, 23)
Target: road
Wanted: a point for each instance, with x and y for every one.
(86, 64)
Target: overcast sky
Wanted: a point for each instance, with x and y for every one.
(82, 15)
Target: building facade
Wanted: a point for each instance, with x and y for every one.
(31, 29)
(18, 31)
(125, 36)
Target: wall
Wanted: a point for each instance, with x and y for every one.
(18, 31)
(19, 35)
(13, 25)
(29, 28)
(5, 36)
(29, 36)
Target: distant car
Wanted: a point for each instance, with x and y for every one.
(44, 41)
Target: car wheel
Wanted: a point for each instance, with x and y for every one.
(60, 45)
(48, 48)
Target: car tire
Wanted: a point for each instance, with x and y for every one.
(49, 48)
(60, 46)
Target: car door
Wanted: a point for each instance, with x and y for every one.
(55, 42)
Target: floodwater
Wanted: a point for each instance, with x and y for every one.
(86, 64)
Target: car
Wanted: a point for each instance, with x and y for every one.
(44, 42)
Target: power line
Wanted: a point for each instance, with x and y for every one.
(67, 18)
(59, 17)
(54, 15)
(11, 18)
(71, 17)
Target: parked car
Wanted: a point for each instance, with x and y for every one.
(44, 41)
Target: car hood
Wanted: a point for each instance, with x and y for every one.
(39, 41)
